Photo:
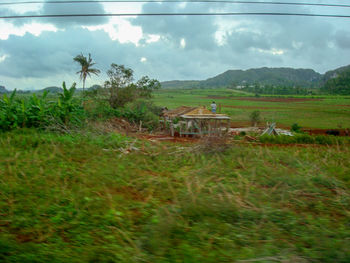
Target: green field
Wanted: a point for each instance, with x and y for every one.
(324, 112)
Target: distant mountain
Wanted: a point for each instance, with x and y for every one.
(52, 89)
(261, 76)
(334, 73)
(3, 89)
(179, 84)
(265, 76)
(94, 87)
(337, 81)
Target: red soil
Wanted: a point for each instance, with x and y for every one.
(342, 132)
(267, 99)
(168, 138)
(250, 107)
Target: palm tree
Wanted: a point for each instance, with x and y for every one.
(86, 67)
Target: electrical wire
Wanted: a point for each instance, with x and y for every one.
(175, 14)
(175, 1)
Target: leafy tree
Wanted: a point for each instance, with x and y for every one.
(255, 117)
(121, 88)
(86, 67)
(145, 86)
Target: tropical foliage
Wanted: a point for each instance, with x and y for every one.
(38, 111)
(86, 67)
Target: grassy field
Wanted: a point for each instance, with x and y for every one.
(325, 112)
(109, 198)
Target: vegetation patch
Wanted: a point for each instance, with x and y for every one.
(82, 198)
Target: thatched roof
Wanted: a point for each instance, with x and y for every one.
(178, 111)
(194, 113)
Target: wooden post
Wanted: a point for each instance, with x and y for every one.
(209, 128)
(172, 129)
(200, 128)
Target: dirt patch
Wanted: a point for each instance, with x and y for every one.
(267, 99)
(168, 138)
(244, 124)
(252, 107)
(339, 132)
(129, 193)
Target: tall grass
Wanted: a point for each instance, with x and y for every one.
(76, 198)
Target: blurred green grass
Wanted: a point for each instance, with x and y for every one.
(78, 198)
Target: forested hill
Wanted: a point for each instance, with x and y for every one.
(3, 89)
(266, 76)
(305, 78)
(337, 81)
(178, 84)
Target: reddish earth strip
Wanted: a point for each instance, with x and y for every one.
(168, 138)
(339, 132)
(252, 107)
(245, 124)
(267, 99)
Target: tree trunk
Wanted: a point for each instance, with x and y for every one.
(83, 85)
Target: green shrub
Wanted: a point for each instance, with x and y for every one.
(145, 111)
(295, 128)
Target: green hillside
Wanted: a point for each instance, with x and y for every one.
(287, 77)
(265, 76)
(180, 84)
(337, 81)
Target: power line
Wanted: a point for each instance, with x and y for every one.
(175, 1)
(175, 14)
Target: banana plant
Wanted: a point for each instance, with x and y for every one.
(66, 104)
(8, 116)
(37, 110)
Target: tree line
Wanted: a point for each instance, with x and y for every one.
(120, 96)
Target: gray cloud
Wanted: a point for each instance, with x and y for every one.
(59, 9)
(78, 8)
(249, 42)
(342, 39)
(198, 32)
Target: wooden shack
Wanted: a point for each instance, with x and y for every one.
(195, 121)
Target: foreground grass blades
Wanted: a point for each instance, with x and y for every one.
(80, 198)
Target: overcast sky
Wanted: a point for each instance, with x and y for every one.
(36, 53)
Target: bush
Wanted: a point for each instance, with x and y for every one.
(145, 111)
(296, 128)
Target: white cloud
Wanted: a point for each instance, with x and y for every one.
(3, 57)
(143, 59)
(152, 38)
(182, 43)
(33, 28)
(120, 29)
